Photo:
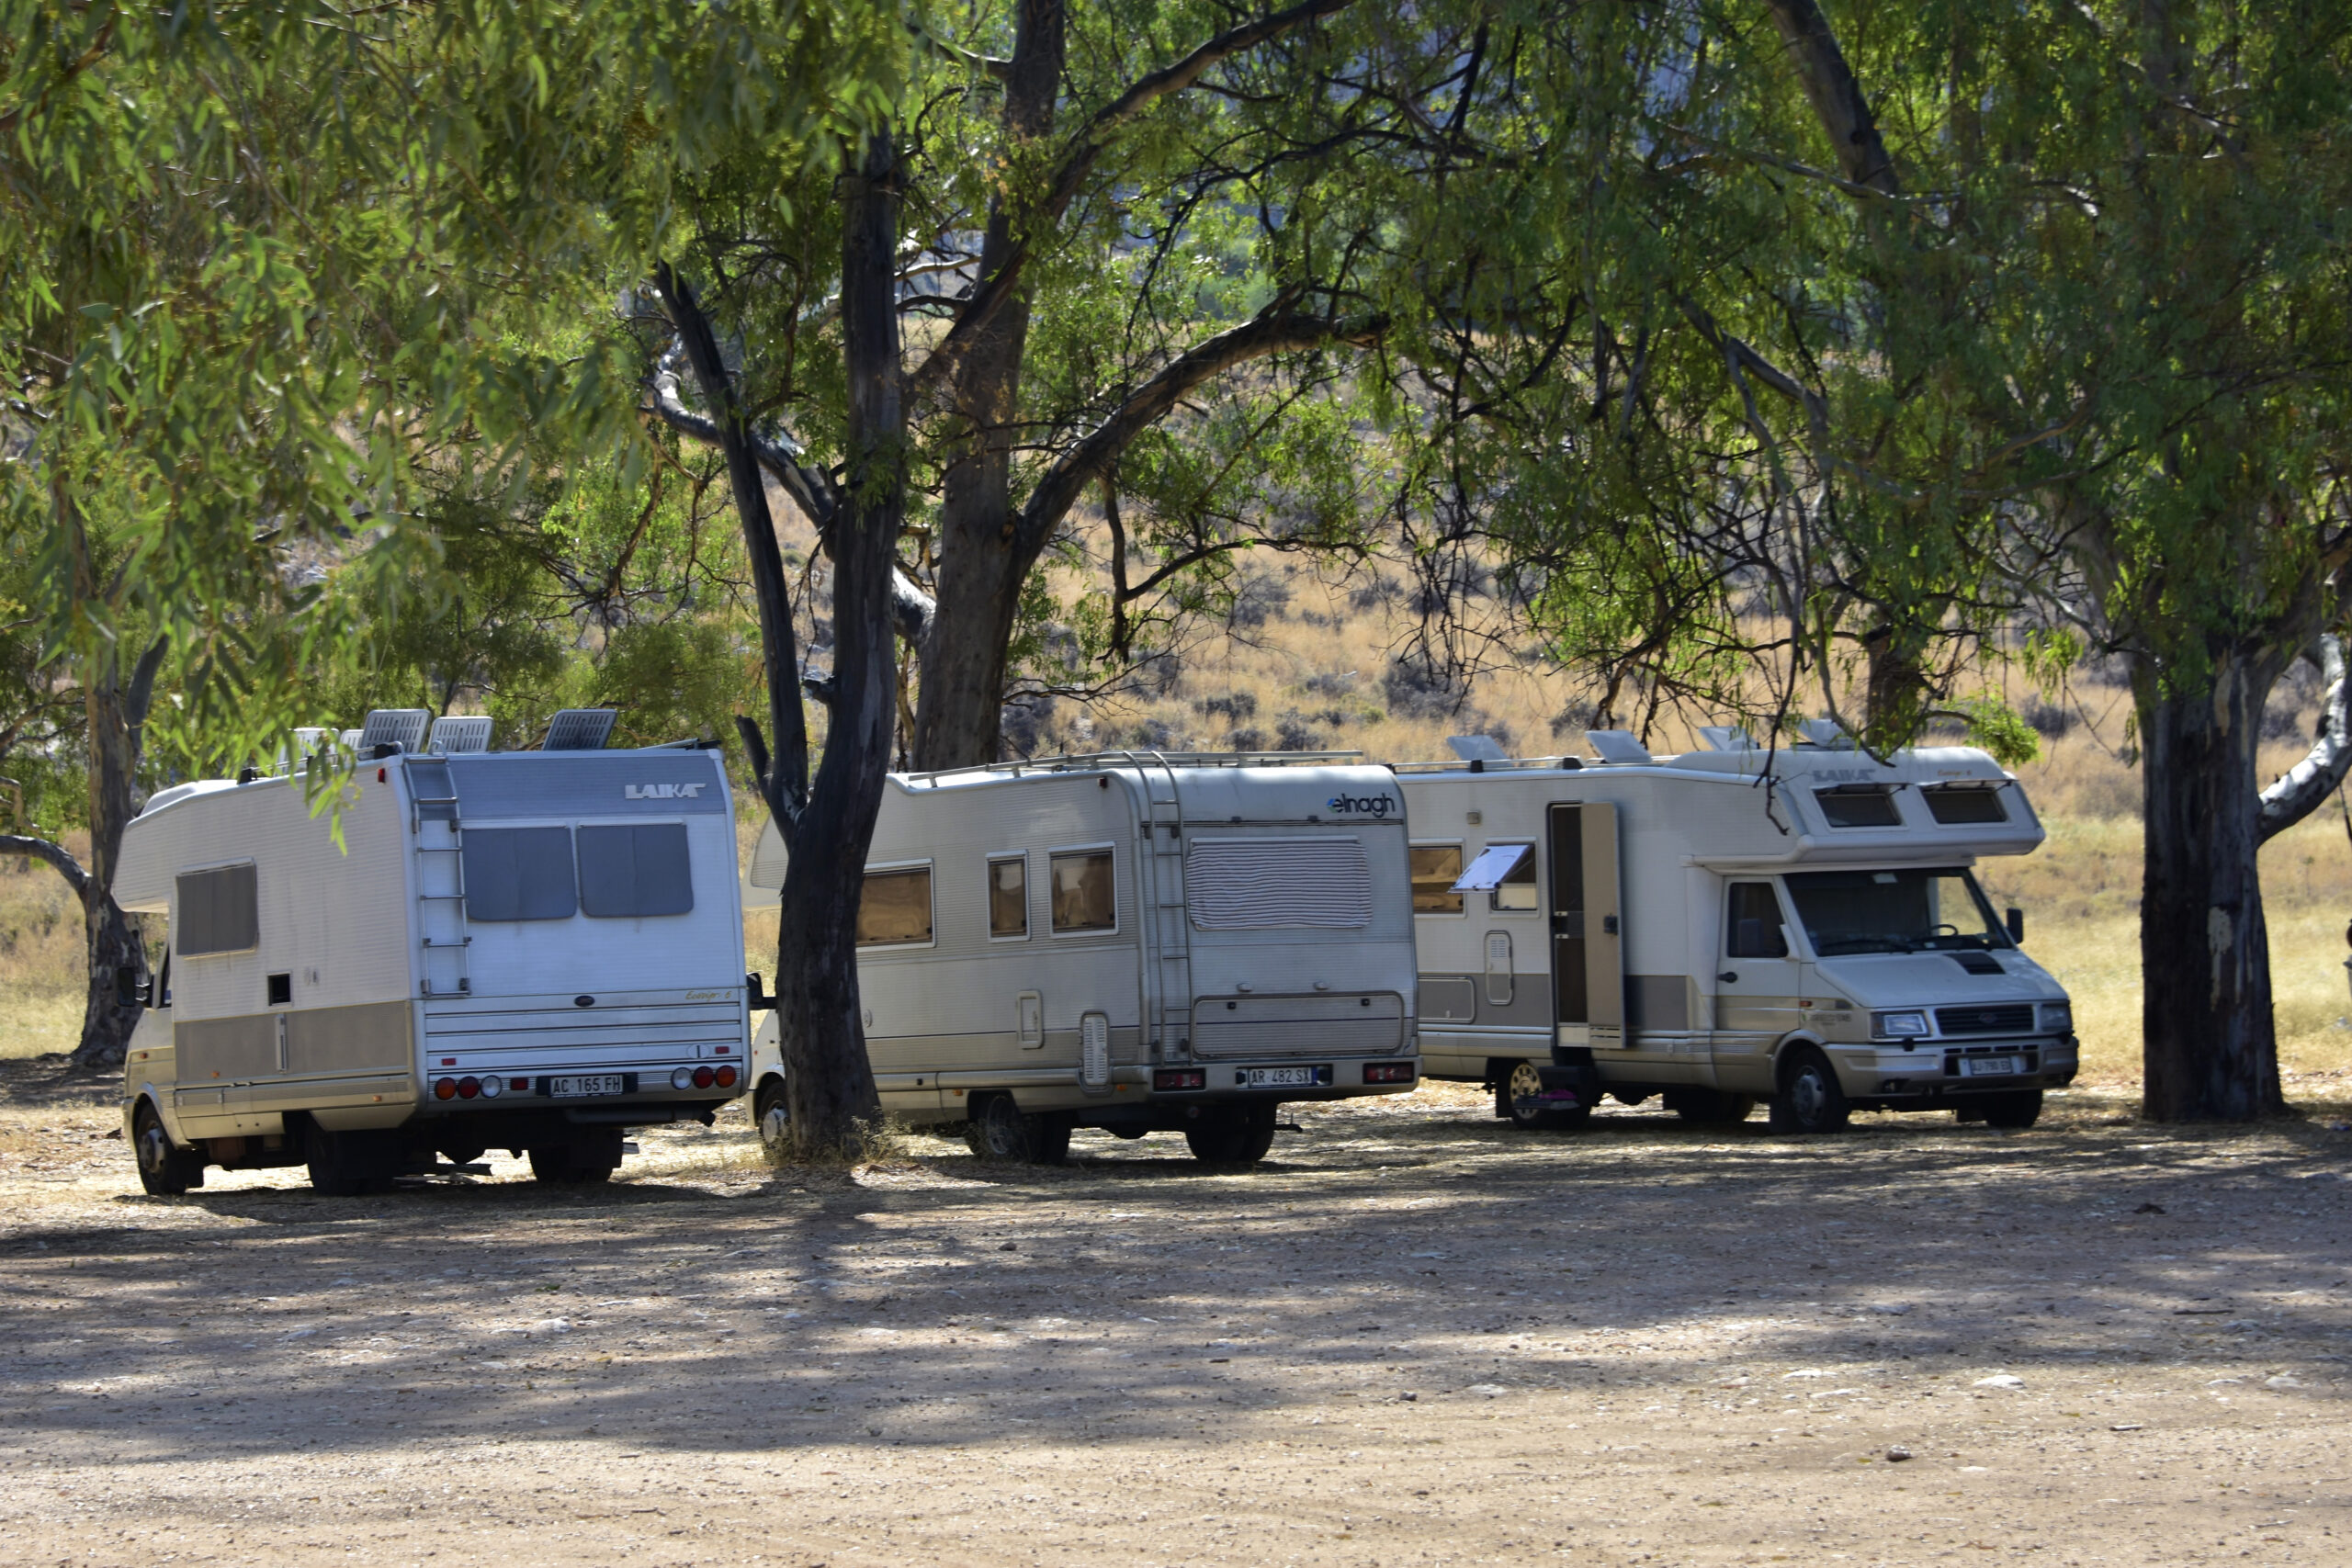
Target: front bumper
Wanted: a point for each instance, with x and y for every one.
(1944, 1071)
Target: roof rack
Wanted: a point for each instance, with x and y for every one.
(1492, 765)
(1090, 761)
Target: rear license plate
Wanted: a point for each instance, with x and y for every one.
(1280, 1078)
(582, 1087)
(1988, 1067)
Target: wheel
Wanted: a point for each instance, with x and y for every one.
(1050, 1143)
(2016, 1109)
(1710, 1107)
(771, 1117)
(1811, 1099)
(1000, 1134)
(165, 1171)
(1525, 1082)
(1239, 1136)
(583, 1159)
(345, 1165)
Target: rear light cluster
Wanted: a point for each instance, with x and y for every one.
(1180, 1077)
(723, 1077)
(488, 1087)
(1389, 1072)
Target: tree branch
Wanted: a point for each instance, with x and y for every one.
(1836, 98)
(1272, 331)
(2306, 787)
(55, 855)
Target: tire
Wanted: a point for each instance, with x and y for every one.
(1050, 1144)
(1525, 1080)
(1811, 1099)
(163, 1170)
(2015, 1111)
(998, 1134)
(1710, 1107)
(1240, 1136)
(344, 1165)
(771, 1117)
(583, 1159)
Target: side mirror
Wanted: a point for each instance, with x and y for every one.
(2014, 920)
(755, 991)
(132, 988)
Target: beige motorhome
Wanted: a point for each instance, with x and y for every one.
(1798, 925)
(1136, 943)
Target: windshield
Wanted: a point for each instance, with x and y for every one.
(1894, 911)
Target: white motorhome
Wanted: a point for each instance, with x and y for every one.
(1132, 942)
(533, 951)
(1799, 925)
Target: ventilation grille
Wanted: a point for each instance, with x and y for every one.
(1986, 1020)
(1094, 1050)
(1259, 884)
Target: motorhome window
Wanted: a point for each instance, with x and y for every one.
(1517, 889)
(1435, 867)
(1863, 805)
(635, 870)
(894, 907)
(1894, 911)
(1505, 874)
(218, 911)
(1009, 897)
(1753, 927)
(1082, 892)
(1323, 881)
(519, 873)
(1959, 805)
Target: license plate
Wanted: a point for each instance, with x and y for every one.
(581, 1088)
(1988, 1067)
(1280, 1078)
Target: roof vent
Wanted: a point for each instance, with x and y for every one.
(1476, 748)
(1726, 738)
(403, 727)
(461, 733)
(1617, 746)
(580, 730)
(1825, 733)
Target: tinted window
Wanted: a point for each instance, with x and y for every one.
(1082, 901)
(1008, 898)
(894, 907)
(218, 911)
(1517, 889)
(1436, 868)
(636, 869)
(1753, 928)
(1955, 806)
(518, 874)
(1866, 807)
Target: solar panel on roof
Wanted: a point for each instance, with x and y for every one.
(580, 730)
(461, 733)
(402, 726)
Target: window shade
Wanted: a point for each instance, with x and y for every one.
(1252, 883)
(220, 911)
(636, 870)
(519, 873)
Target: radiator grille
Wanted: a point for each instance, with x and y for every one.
(2017, 1019)
(1258, 884)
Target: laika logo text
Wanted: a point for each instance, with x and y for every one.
(1370, 805)
(661, 792)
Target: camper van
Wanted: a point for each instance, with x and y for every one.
(1799, 925)
(1136, 943)
(533, 951)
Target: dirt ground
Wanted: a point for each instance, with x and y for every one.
(1413, 1336)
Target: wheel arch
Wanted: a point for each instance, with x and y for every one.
(1796, 1040)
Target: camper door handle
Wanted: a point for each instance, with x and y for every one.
(1609, 925)
(1730, 976)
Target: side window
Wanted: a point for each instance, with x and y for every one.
(894, 907)
(1753, 927)
(220, 911)
(1436, 868)
(1955, 806)
(635, 870)
(1858, 806)
(1009, 897)
(518, 874)
(1082, 892)
(1517, 889)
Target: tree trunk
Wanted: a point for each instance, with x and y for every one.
(116, 715)
(2208, 1047)
(982, 560)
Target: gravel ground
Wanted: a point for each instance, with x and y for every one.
(1413, 1336)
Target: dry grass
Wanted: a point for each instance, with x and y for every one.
(42, 960)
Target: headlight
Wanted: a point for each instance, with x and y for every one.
(1899, 1025)
(2057, 1017)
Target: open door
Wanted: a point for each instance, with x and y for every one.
(1588, 940)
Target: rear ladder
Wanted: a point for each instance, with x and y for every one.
(1163, 827)
(440, 879)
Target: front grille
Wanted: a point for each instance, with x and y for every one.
(2016, 1019)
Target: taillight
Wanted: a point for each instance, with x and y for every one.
(520, 1086)
(1389, 1072)
(1180, 1077)
(703, 1077)
(726, 1078)
(468, 1087)
(682, 1078)
(446, 1090)
(493, 1086)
